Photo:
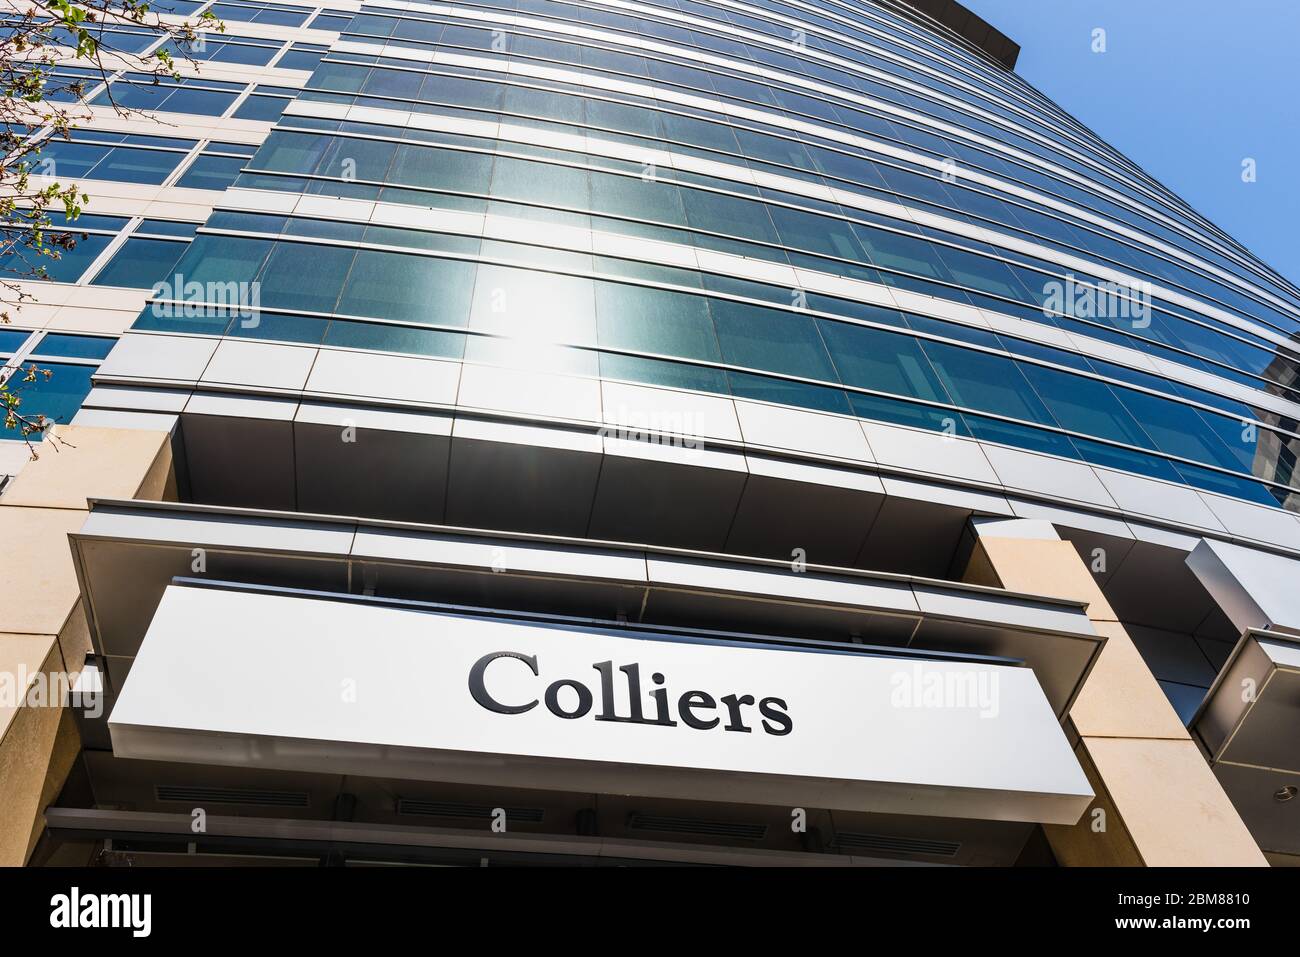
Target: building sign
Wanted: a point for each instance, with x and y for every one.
(348, 687)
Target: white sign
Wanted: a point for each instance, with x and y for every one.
(347, 687)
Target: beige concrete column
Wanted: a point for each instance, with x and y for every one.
(1158, 803)
(43, 633)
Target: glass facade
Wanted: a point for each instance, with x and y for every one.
(830, 208)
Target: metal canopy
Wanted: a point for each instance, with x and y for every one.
(1248, 726)
(250, 677)
(127, 553)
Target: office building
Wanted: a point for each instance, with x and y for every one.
(627, 431)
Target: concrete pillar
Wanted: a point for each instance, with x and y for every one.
(43, 634)
(1158, 803)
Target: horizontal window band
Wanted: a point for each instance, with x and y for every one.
(816, 314)
(1147, 343)
(1196, 228)
(983, 221)
(823, 121)
(867, 224)
(521, 23)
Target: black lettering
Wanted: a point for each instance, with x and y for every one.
(735, 722)
(633, 672)
(607, 712)
(553, 698)
(768, 708)
(478, 689)
(660, 696)
(687, 704)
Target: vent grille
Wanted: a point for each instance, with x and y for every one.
(528, 815)
(689, 825)
(253, 796)
(895, 845)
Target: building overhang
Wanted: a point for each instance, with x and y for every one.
(128, 552)
(1247, 726)
(306, 682)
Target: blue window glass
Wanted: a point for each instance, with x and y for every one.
(300, 276)
(214, 260)
(140, 263)
(1085, 405)
(337, 21)
(986, 382)
(262, 13)
(387, 338)
(166, 227)
(1127, 460)
(68, 346)
(655, 320)
(408, 288)
(12, 339)
(1021, 436)
(1176, 429)
(264, 108)
(1233, 485)
(246, 54)
(882, 361)
(67, 267)
(211, 172)
(301, 56)
(279, 326)
(57, 397)
(769, 340)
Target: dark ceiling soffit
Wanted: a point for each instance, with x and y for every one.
(971, 28)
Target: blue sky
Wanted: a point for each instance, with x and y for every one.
(1186, 89)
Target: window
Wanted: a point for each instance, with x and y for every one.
(71, 360)
(1085, 405)
(410, 288)
(655, 320)
(265, 103)
(537, 307)
(386, 338)
(302, 56)
(91, 235)
(770, 340)
(985, 382)
(192, 95)
(140, 263)
(208, 47)
(299, 276)
(272, 13)
(57, 397)
(744, 385)
(123, 158)
(68, 267)
(70, 346)
(336, 20)
(882, 361)
(216, 166)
